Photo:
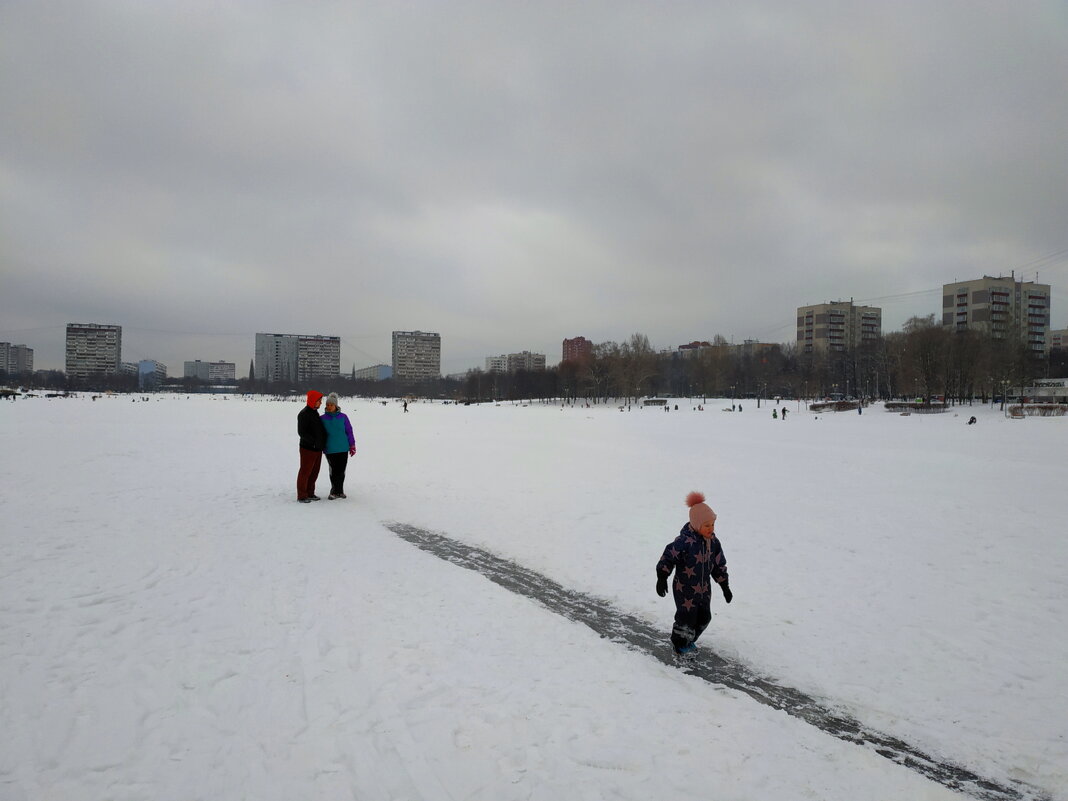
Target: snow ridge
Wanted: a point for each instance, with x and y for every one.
(617, 626)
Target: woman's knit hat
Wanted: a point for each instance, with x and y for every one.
(700, 512)
(332, 398)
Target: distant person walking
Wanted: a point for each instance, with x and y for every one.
(783, 412)
(312, 435)
(696, 558)
(340, 445)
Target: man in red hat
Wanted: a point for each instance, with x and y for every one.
(312, 435)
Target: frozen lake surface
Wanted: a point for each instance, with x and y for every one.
(173, 625)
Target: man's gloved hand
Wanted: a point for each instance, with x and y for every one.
(727, 594)
(661, 585)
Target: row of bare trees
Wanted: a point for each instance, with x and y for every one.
(924, 360)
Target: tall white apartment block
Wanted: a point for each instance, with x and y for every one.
(416, 356)
(525, 361)
(15, 359)
(276, 357)
(93, 349)
(1002, 308)
(497, 364)
(838, 326)
(318, 356)
(297, 357)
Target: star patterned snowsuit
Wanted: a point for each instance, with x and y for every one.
(697, 562)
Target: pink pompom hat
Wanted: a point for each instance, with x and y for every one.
(700, 512)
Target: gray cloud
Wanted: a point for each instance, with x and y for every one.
(510, 174)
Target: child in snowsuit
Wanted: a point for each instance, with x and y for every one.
(696, 557)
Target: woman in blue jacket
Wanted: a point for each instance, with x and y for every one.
(340, 445)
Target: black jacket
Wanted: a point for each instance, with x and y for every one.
(311, 430)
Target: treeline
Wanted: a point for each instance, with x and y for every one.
(923, 360)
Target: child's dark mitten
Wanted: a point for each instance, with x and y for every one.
(661, 585)
(727, 594)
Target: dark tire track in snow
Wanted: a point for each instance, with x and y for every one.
(626, 629)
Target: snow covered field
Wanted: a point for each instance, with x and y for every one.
(174, 625)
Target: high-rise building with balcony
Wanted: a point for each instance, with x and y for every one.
(15, 359)
(297, 357)
(839, 326)
(416, 356)
(1002, 308)
(93, 349)
(318, 357)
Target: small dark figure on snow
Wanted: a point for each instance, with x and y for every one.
(783, 412)
(971, 421)
(774, 414)
(696, 558)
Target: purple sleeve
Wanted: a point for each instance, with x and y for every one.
(348, 431)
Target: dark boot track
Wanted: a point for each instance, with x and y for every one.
(631, 631)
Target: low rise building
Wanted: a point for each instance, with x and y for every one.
(377, 372)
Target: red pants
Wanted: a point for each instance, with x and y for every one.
(309, 471)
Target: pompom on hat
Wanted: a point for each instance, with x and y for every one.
(700, 512)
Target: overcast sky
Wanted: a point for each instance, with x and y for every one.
(509, 174)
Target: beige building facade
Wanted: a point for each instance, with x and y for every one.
(1001, 307)
(837, 326)
(92, 349)
(416, 356)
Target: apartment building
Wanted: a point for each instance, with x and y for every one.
(15, 359)
(497, 364)
(416, 356)
(318, 356)
(1002, 308)
(150, 374)
(1058, 339)
(513, 362)
(578, 349)
(211, 372)
(222, 372)
(377, 372)
(93, 349)
(838, 326)
(297, 357)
